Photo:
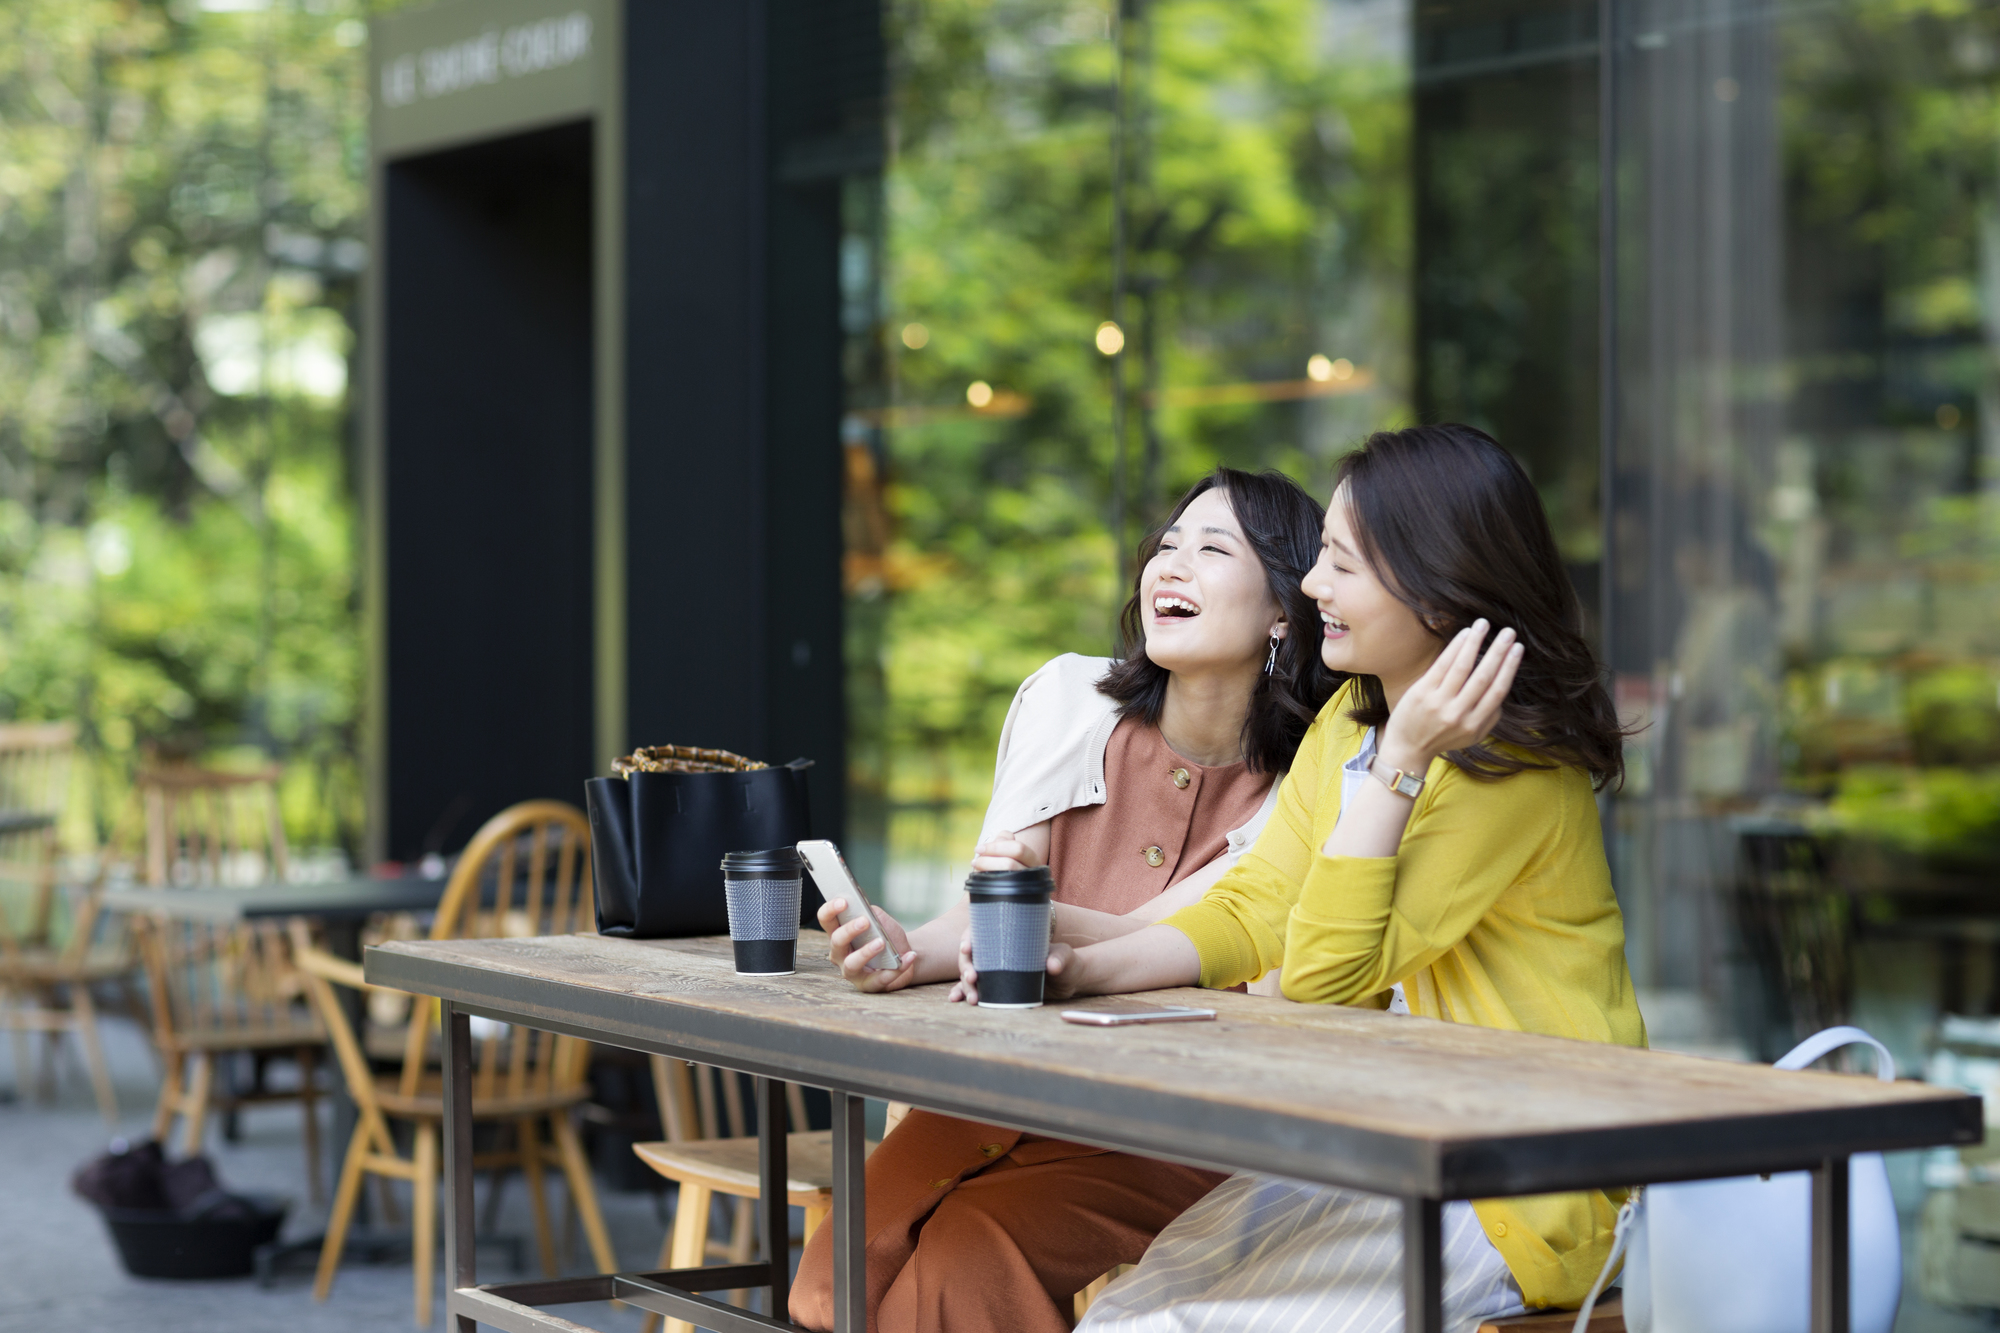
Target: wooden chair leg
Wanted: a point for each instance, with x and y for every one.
(690, 1239)
(584, 1193)
(423, 1219)
(742, 1244)
(170, 1094)
(352, 1168)
(93, 1054)
(196, 1107)
(309, 1104)
(528, 1139)
(814, 1216)
(24, 1045)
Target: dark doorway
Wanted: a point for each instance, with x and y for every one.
(488, 477)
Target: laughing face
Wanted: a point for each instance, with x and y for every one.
(1365, 629)
(1207, 602)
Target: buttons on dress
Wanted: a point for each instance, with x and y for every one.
(1181, 778)
(1499, 1228)
(1155, 857)
(991, 1149)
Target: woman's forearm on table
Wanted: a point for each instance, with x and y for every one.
(1147, 959)
(936, 944)
(1080, 927)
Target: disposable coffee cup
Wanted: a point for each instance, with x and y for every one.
(762, 890)
(1010, 935)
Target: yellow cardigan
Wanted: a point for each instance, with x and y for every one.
(1496, 910)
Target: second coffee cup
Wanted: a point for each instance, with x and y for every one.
(1010, 935)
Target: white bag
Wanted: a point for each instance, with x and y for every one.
(1735, 1256)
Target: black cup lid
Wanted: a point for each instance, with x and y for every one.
(782, 861)
(1035, 883)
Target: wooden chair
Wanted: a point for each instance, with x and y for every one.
(45, 984)
(707, 1153)
(527, 872)
(221, 989)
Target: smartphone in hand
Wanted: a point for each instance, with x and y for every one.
(833, 879)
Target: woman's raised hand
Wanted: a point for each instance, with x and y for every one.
(1456, 702)
(1006, 851)
(853, 963)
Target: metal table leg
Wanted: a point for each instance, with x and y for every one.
(1423, 1266)
(850, 1216)
(774, 1208)
(1831, 1293)
(460, 1249)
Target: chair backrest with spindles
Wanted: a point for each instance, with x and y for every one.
(213, 829)
(213, 978)
(526, 872)
(35, 759)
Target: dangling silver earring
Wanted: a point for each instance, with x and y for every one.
(1271, 662)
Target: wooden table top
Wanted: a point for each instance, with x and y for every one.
(1381, 1102)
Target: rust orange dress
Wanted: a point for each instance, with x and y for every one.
(973, 1228)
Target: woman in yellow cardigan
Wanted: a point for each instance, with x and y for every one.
(1436, 847)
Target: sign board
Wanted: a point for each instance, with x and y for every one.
(477, 69)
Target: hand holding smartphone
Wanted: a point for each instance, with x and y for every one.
(833, 879)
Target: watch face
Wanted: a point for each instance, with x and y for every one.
(1409, 786)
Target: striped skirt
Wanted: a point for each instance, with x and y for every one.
(1262, 1254)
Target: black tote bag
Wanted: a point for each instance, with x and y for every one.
(657, 842)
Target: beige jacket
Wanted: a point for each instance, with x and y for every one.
(1051, 755)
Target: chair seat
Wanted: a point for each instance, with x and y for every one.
(258, 1037)
(427, 1103)
(729, 1166)
(1608, 1317)
(53, 966)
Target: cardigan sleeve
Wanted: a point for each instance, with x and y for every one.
(1238, 927)
(1362, 924)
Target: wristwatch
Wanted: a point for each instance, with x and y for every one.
(1403, 784)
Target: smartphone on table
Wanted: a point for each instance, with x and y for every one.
(833, 879)
(1117, 1015)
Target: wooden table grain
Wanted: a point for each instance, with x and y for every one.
(1423, 1110)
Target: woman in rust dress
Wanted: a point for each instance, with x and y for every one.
(1138, 782)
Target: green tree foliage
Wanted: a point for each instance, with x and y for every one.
(181, 204)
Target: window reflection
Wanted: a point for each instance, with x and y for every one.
(1344, 214)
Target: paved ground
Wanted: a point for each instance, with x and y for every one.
(58, 1271)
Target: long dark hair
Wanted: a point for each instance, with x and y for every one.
(1281, 521)
(1454, 529)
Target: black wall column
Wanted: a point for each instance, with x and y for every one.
(733, 396)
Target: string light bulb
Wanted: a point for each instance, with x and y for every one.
(1110, 338)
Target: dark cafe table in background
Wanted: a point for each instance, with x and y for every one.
(342, 906)
(24, 821)
(1422, 1110)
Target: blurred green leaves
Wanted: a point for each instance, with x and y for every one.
(181, 204)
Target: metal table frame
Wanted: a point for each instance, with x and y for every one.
(1422, 1175)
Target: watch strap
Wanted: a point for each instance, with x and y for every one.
(1403, 784)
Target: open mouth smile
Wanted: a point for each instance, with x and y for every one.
(1332, 626)
(1166, 606)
